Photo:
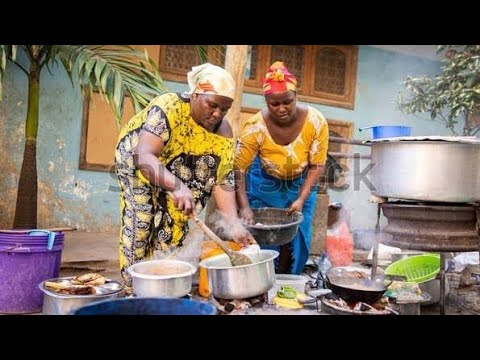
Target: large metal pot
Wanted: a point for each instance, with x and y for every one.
(161, 278)
(426, 170)
(63, 304)
(240, 282)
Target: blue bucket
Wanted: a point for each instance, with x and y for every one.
(387, 131)
(148, 306)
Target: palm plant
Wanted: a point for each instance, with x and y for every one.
(111, 70)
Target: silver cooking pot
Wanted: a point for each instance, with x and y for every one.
(161, 278)
(426, 170)
(240, 282)
(55, 303)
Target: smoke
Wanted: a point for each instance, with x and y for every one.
(226, 228)
(190, 250)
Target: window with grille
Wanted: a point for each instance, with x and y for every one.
(326, 74)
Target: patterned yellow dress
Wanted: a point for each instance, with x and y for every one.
(201, 159)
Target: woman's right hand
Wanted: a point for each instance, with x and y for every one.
(246, 215)
(183, 200)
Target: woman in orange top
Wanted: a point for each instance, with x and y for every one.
(280, 156)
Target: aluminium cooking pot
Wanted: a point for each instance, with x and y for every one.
(162, 278)
(427, 170)
(240, 282)
(55, 303)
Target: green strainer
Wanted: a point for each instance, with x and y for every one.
(418, 269)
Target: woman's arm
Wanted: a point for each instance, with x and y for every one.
(226, 204)
(146, 160)
(246, 213)
(313, 175)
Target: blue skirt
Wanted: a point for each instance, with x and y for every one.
(264, 190)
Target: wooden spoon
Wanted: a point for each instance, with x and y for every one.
(236, 258)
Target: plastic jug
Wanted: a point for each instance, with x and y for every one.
(339, 245)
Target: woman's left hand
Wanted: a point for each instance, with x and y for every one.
(244, 238)
(297, 205)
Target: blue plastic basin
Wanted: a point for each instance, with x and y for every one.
(147, 306)
(387, 131)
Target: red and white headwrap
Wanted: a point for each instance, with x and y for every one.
(211, 79)
(279, 79)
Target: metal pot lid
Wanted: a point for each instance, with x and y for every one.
(457, 139)
(110, 287)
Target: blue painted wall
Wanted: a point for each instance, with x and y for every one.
(88, 199)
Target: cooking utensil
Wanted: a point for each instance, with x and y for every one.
(376, 241)
(273, 226)
(236, 258)
(55, 303)
(161, 278)
(354, 289)
(440, 171)
(240, 282)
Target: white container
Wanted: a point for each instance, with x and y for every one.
(297, 282)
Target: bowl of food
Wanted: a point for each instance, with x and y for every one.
(240, 282)
(273, 226)
(63, 295)
(162, 278)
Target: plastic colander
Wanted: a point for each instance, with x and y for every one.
(418, 269)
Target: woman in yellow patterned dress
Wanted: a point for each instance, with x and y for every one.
(281, 153)
(170, 158)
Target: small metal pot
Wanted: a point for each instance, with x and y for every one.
(240, 282)
(63, 304)
(151, 278)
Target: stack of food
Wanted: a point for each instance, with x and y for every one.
(79, 285)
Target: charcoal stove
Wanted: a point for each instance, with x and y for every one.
(431, 226)
(436, 180)
(226, 306)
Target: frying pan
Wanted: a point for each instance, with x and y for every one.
(352, 289)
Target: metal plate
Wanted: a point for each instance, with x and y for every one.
(110, 287)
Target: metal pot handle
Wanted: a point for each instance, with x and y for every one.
(366, 127)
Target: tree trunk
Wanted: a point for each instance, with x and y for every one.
(235, 62)
(26, 207)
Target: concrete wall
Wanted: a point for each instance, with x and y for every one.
(88, 199)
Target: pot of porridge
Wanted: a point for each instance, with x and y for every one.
(162, 278)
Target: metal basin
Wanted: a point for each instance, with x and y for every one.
(63, 304)
(274, 226)
(426, 170)
(240, 282)
(162, 278)
(148, 306)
